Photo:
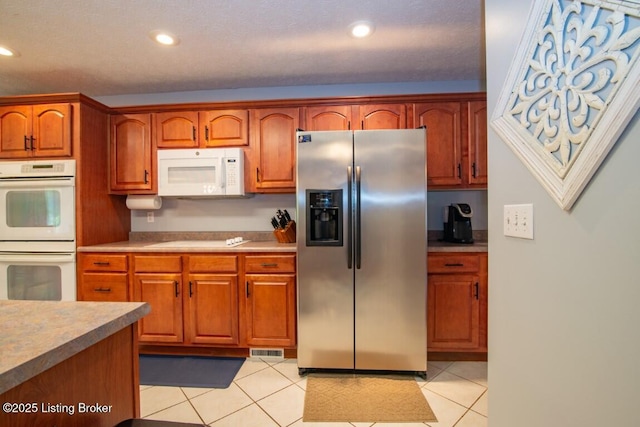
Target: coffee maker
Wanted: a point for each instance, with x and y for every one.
(458, 229)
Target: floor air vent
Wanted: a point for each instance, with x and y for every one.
(267, 353)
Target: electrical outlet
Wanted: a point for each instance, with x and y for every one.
(518, 221)
(150, 217)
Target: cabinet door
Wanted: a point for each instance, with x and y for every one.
(163, 292)
(212, 307)
(444, 146)
(453, 312)
(132, 157)
(335, 117)
(274, 155)
(224, 128)
(477, 140)
(385, 116)
(176, 129)
(270, 309)
(15, 131)
(51, 130)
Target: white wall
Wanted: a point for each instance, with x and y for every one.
(564, 322)
(292, 92)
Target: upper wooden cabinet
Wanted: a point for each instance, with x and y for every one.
(35, 131)
(176, 129)
(456, 143)
(224, 128)
(444, 142)
(477, 140)
(356, 117)
(385, 116)
(272, 161)
(204, 129)
(133, 155)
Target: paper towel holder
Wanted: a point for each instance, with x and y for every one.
(144, 202)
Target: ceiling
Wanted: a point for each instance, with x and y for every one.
(101, 48)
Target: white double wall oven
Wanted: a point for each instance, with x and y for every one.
(37, 230)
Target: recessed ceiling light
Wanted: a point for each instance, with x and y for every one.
(5, 51)
(164, 38)
(361, 29)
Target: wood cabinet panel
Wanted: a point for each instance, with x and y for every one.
(477, 140)
(270, 309)
(454, 321)
(335, 117)
(176, 129)
(103, 287)
(456, 263)
(224, 128)
(52, 130)
(270, 263)
(157, 264)
(444, 144)
(457, 287)
(212, 307)
(35, 131)
(163, 292)
(103, 262)
(384, 116)
(209, 263)
(273, 160)
(132, 158)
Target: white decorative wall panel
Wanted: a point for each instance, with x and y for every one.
(572, 88)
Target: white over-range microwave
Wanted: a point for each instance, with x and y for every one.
(203, 172)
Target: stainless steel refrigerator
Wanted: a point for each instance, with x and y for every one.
(361, 242)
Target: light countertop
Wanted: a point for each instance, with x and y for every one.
(37, 335)
(271, 246)
(441, 246)
(148, 246)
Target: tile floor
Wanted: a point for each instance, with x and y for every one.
(269, 393)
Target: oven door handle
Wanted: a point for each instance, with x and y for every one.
(37, 182)
(31, 257)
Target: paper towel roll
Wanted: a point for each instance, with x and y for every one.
(144, 202)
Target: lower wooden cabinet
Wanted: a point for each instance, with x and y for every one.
(200, 300)
(211, 300)
(457, 302)
(157, 279)
(270, 297)
(103, 277)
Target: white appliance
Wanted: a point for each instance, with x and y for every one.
(37, 230)
(362, 273)
(201, 172)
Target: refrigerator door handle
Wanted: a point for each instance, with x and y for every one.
(349, 217)
(358, 230)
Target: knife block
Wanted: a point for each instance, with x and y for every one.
(287, 234)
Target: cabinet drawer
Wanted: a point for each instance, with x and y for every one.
(213, 264)
(103, 262)
(270, 264)
(453, 263)
(104, 287)
(157, 263)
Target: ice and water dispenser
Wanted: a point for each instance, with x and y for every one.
(324, 218)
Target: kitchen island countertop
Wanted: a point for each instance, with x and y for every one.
(37, 335)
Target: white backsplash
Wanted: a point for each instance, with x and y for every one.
(253, 214)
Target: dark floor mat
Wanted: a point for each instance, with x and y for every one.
(189, 371)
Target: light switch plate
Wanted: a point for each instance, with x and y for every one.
(518, 221)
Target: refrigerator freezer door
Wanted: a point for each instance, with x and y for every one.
(325, 282)
(390, 285)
